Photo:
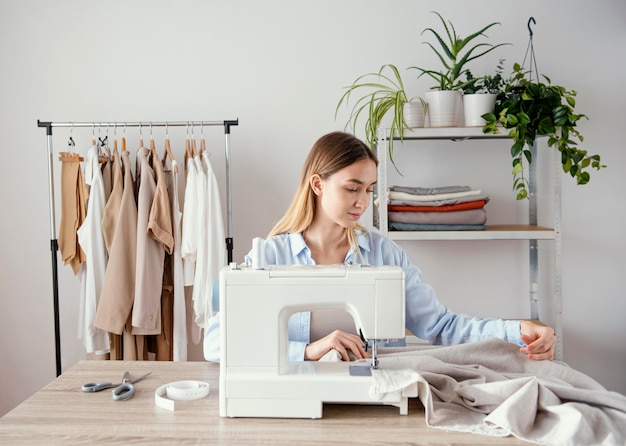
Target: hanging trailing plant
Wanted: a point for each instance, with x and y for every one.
(531, 109)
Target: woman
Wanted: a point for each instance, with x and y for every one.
(322, 227)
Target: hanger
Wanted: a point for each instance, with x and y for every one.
(70, 156)
(93, 134)
(115, 153)
(140, 136)
(202, 141)
(193, 142)
(124, 139)
(141, 145)
(168, 151)
(70, 141)
(153, 145)
(103, 143)
(187, 146)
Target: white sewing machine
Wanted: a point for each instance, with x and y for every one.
(256, 378)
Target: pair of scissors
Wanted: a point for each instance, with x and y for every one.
(122, 391)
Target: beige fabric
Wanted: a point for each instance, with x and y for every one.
(490, 388)
(116, 347)
(164, 342)
(146, 313)
(135, 348)
(160, 220)
(112, 207)
(118, 290)
(73, 213)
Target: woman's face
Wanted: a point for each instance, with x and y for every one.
(344, 196)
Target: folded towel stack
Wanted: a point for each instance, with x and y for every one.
(446, 208)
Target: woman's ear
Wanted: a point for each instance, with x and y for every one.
(316, 184)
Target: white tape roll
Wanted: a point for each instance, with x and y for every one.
(187, 390)
(167, 395)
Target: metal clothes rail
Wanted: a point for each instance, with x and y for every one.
(54, 243)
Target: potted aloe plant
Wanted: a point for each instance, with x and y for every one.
(454, 54)
(529, 109)
(380, 93)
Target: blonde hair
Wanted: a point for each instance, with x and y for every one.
(330, 153)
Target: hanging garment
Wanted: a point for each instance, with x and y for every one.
(179, 328)
(191, 220)
(160, 218)
(73, 210)
(107, 172)
(116, 300)
(112, 207)
(199, 283)
(162, 344)
(215, 250)
(92, 274)
(146, 311)
(160, 228)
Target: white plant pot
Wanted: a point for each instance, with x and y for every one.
(476, 105)
(414, 114)
(444, 107)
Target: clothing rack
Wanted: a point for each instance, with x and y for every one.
(54, 243)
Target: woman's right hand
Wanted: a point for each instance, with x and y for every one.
(337, 340)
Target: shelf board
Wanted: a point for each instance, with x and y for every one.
(492, 232)
(451, 133)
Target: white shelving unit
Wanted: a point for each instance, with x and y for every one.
(531, 231)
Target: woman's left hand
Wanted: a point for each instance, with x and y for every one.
(540, 340)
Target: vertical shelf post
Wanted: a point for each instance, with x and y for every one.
(533, 244)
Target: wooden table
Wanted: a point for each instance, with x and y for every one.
(61, 413)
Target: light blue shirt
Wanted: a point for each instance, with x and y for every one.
(425, 316)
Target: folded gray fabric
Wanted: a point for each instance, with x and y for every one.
(490, 388)
(416, 190)
(468, 217)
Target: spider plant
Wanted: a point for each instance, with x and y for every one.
(381, 92)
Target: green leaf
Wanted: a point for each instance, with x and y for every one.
(584, 178)
(528, 155)
(516, 148)
(489, 117)
(523, 118)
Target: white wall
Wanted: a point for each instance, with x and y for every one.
(279, 67)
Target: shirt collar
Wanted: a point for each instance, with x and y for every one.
(363, 241)
(297, 243)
